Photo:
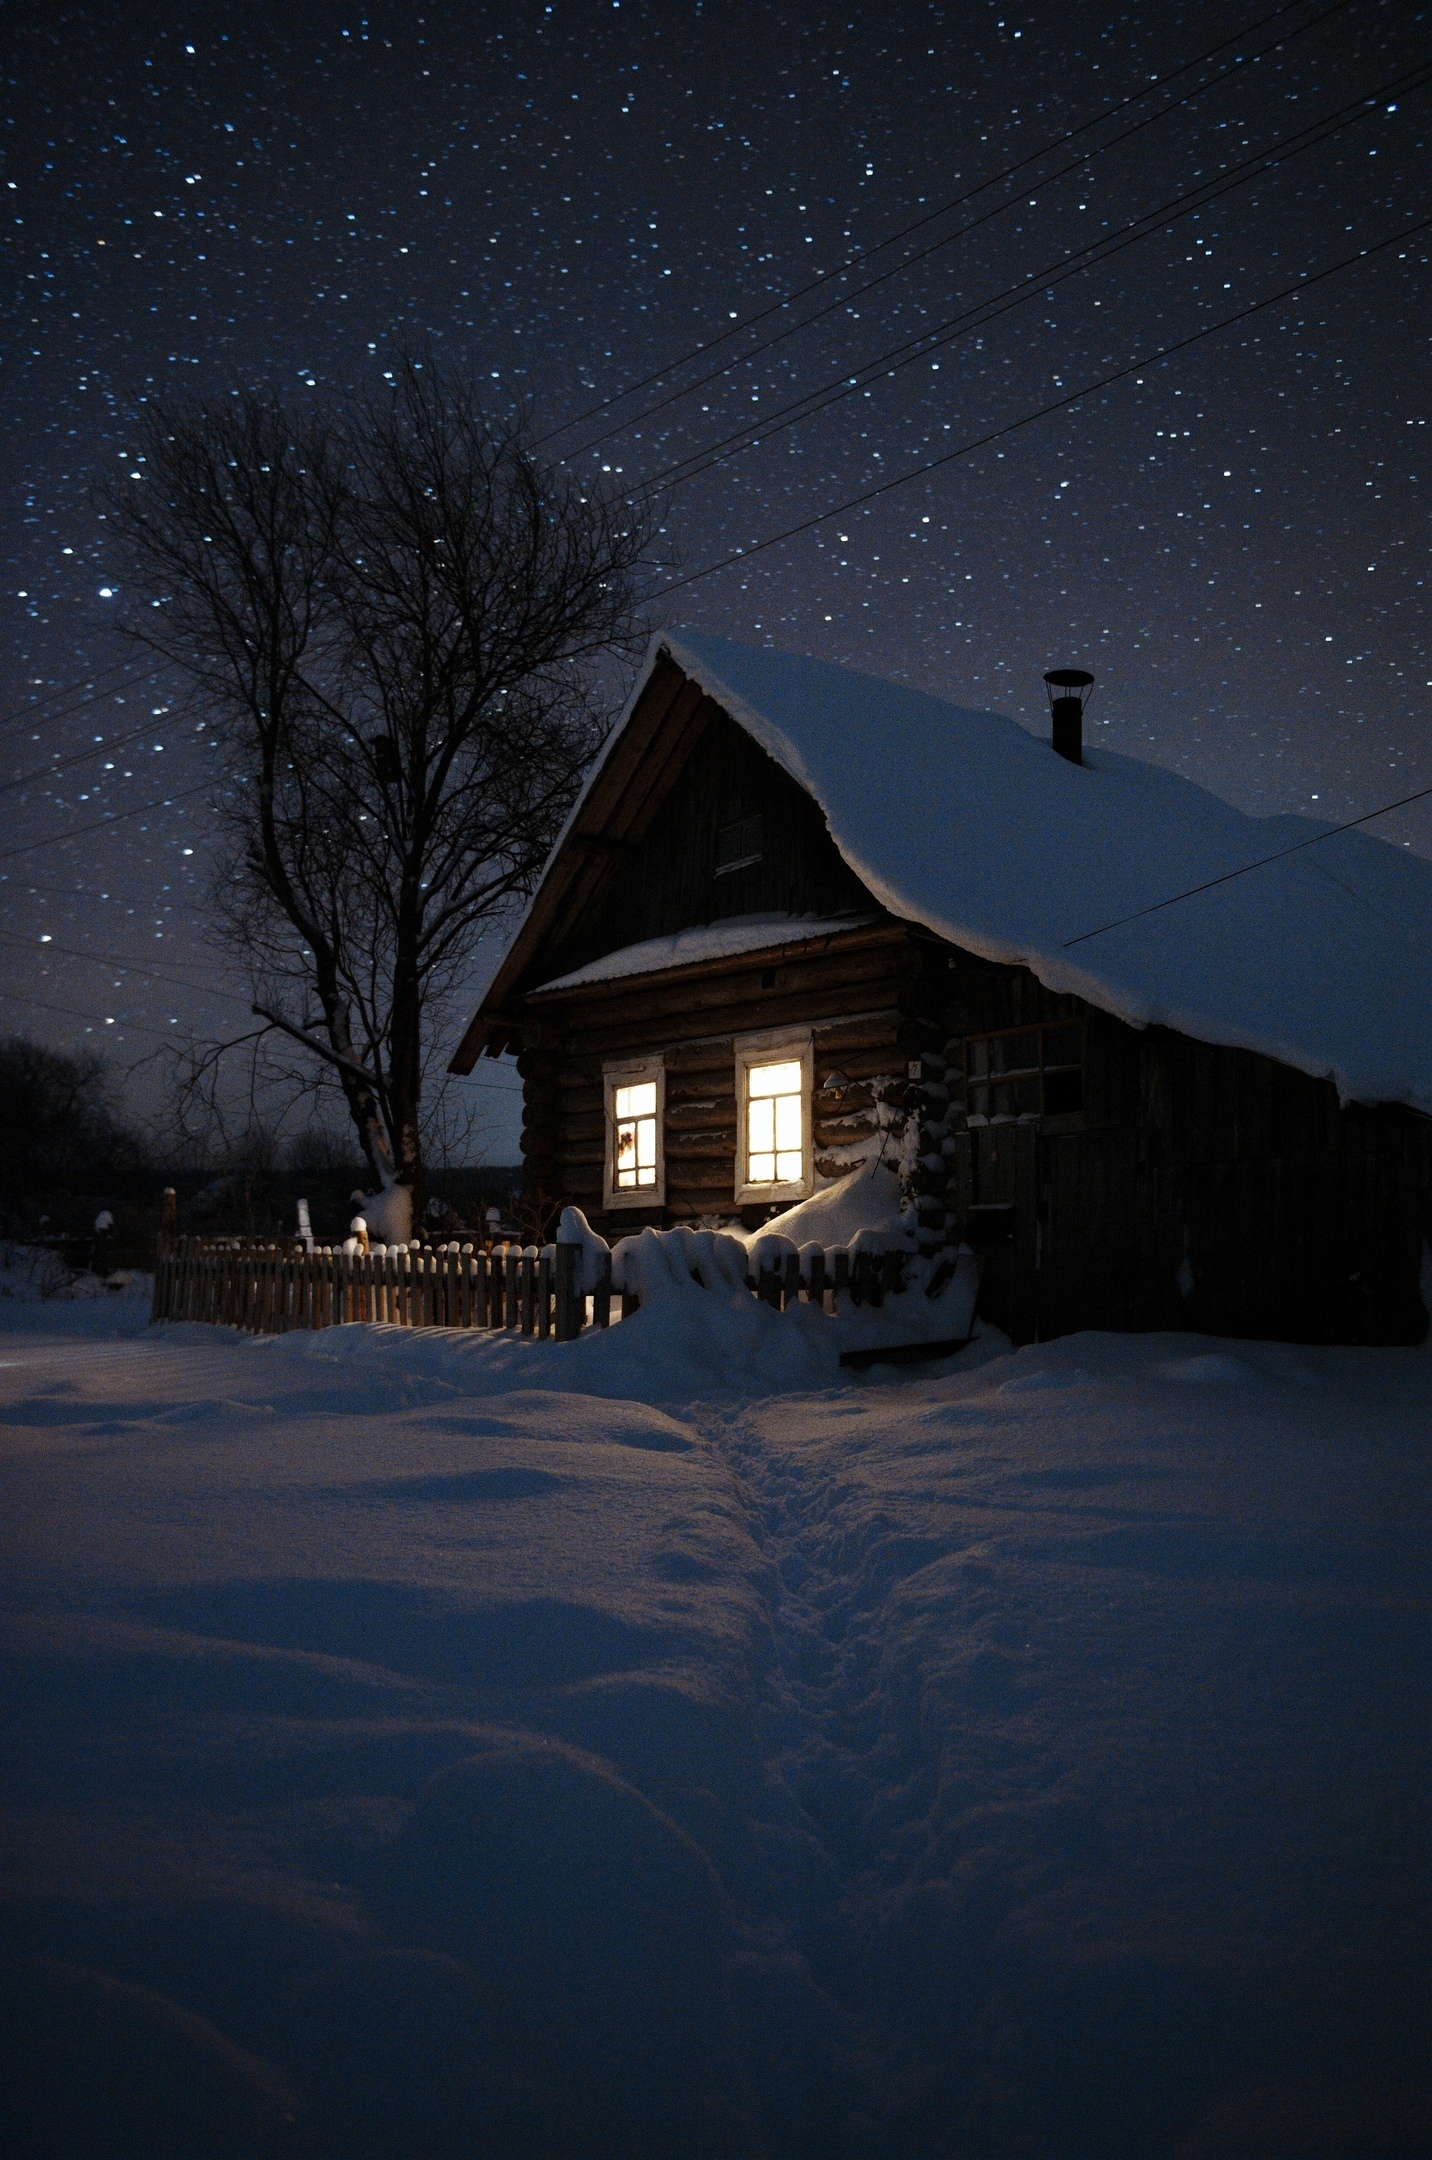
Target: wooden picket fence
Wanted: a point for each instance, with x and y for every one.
(272, 1288)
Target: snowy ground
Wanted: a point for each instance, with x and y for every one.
(662, 1745)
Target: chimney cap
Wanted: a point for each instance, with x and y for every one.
(1069, 678)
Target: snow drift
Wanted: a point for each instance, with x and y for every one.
(424, 1743)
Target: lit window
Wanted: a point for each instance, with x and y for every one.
(634, 1174)
(773, 1084)
(774, 1119)
(634, 1110)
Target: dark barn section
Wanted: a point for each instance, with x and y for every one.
(1121, 1178)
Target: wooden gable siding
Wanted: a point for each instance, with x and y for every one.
(870, 996)
(615, 816)
(667, 881)
(1204, 1187)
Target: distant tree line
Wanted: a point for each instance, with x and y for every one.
(62, 1132)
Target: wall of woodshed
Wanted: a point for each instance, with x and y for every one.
(1203, 1187)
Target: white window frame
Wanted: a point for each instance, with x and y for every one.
(775, 1046)
(632, 1072)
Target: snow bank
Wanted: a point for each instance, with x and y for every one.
(38, 1275)
(867, 1201)
(971, 826)
(409, 1738)
(710, 941)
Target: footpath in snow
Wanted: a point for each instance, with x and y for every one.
(435, 1745)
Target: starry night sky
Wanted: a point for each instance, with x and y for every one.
(567, 198)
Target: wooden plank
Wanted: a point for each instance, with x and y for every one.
(572, 876)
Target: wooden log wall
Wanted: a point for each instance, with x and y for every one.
(866, 995)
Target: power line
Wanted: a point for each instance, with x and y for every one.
(1043, 412)
(137, 967)
(162, 802)
(955, 203)
(77, 757)
(752, 434)
(1262, 863)
(21, 713)
(134, 1026)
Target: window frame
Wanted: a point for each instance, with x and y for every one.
(632, 1072)
(1059, 1120)
(774, 1046)
(738, 861)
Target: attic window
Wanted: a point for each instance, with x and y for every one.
(739, 844)
(1026, 1073)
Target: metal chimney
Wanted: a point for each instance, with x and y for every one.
(1067, 709)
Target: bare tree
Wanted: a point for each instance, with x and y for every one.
(397, 616)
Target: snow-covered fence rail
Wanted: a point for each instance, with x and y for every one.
(271, 1288)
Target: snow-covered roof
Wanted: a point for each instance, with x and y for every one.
(708, 941)
(964, 822)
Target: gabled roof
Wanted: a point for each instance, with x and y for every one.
(961, 821)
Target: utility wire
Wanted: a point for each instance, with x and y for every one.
(162, 802)
(1161, 354)
(77, 757)
(61, 690)
(957, 202)
(69, 1013)
(753, 433)
(91, 697)
(138, 967)
(1261, 864)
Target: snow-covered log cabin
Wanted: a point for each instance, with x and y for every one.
(802, 922)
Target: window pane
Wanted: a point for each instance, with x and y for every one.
(979, 1059)
(646, 1146)
(1062, 1045)
(761, 1126)
(788, 1122)
(738, 843)
(763, 1170)
(1014, 1053)
(788, 1169)
(639, 1101)
(979, 1101)
(776, 1079)
(1063, 1091)
(1026, 1096)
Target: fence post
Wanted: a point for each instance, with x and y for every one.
(569, 1302)
(602, 1297)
